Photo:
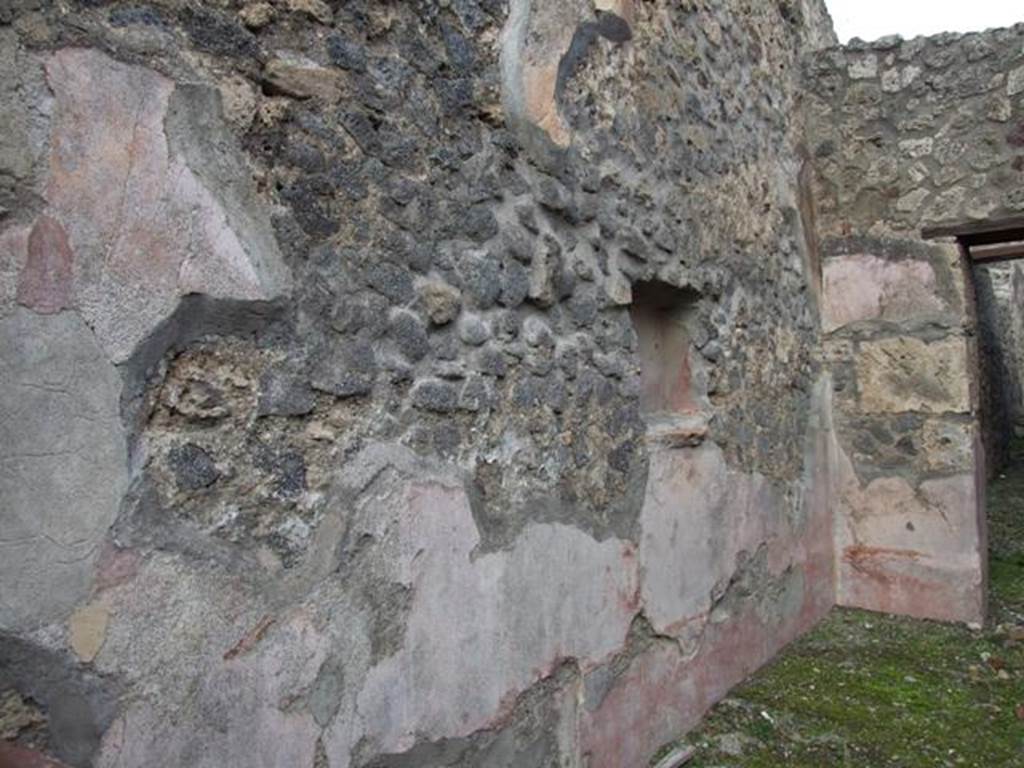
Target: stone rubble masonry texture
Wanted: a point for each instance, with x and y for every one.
(323, 433)
(904, 135)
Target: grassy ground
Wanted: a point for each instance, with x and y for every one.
(879, 692)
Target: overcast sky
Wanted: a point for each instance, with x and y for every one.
(871, 19)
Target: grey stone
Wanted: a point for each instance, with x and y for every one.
(556, 396)
(537, 333)
(553, 196)
(445, 345)
(491, 361)
(547, 274)
(284, 393)
(392, 281)
(79, 703)
(519, 245)
(409, 335)
(346, 54)
(345, 369)
(583, 308)
(481, 278)
(479, 224)
(567, 357)
(611, 365)
(24, 123)
(515, 284)
(366, 315)
(507, 326)
(446, 439)
(539, 361)
(435, 395)
(473, 330)
(288, 469)
(193, 467)
(326, 695)
(527, 217)
(476, 395)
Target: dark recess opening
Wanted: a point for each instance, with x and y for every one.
(661, 316)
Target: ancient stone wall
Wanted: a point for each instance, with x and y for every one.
(906, 134)
(403, 383)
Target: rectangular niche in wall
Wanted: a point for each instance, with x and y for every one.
(670, 399)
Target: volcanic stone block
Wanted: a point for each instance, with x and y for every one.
(904, 374)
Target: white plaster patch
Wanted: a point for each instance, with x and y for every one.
(223, 674)
(697, 517)
(910, 74)
(917, 147)
(863, 67)
(911, 201)
(892, 81)
(481, 630)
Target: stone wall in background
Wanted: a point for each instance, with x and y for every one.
(906, 134)
(325, 432)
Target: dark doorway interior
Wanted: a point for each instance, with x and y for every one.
(994, 255)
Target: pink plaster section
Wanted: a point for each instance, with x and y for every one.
(864, 287)
(143, 228)
(915, 552)
(484, 629)
(665, 692)
(668, 688)
(45, 283)
(14, 756)
(115, 566)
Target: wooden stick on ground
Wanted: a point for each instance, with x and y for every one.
(677, 757)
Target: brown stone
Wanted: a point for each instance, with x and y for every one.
(540, 82)
(88, 629)
(257, 15)
(45, 283)
(239, 99)
(947, 445)
(16, 714)
(906, 374)
(301, 78)
(442, 302)
(315, 9)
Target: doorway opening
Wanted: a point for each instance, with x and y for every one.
(993, 254)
